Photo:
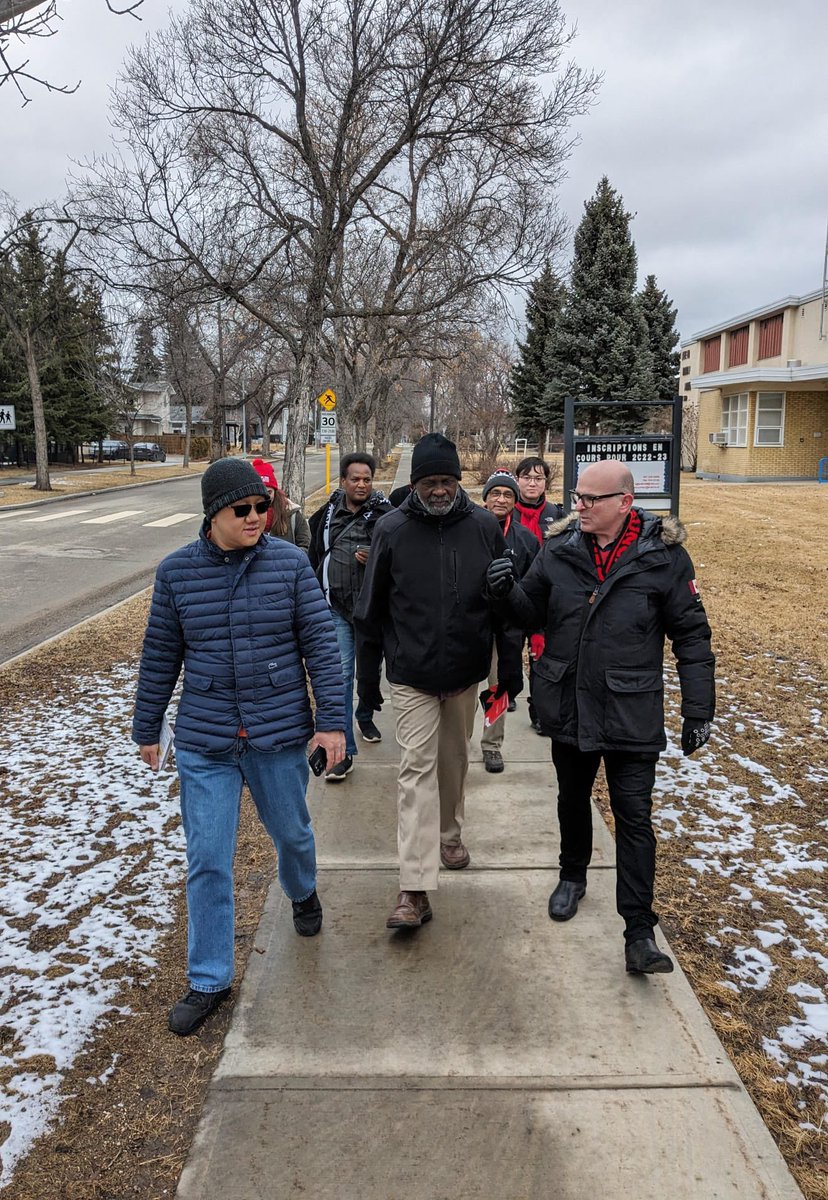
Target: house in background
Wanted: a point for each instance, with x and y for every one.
(153, 403)
(761, 384)
(201, 425)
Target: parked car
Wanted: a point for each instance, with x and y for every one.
(149, 452)
(111, 448)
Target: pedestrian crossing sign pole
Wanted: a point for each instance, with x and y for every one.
(327, 429)
(7, 418)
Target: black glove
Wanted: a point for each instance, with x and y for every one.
(694, 734)
(500, 576)
(512, 686)
(370, 694)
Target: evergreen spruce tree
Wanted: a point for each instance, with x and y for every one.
(532, 412)
(600, 348)
(146, 365)
(660, 316)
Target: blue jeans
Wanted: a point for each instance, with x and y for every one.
(347, 656)
(211, 786)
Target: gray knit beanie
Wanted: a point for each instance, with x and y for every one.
(227, 482)
(501, 478)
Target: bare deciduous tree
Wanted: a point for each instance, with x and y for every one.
(23, 20)
(257, 131)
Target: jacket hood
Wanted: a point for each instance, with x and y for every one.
(668, 528)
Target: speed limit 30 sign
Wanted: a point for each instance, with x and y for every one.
(327, 428)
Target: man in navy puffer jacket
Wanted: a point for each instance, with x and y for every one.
(244, 615)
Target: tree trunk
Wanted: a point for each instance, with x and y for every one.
(188, 429)
(217, 431)
(42, 481)
(298, 426)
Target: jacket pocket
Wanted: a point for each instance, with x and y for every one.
(549, 690)
(201, 683)
(635, 709)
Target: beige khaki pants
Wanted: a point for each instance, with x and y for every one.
(492, 738)
(433, 736)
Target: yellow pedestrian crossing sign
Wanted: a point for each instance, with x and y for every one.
(328, 400)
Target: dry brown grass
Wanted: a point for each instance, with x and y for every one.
(93, 479)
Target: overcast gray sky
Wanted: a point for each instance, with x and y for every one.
(712, 122)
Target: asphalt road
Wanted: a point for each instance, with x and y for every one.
(65, 561)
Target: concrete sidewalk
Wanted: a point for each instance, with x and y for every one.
(492, 1054)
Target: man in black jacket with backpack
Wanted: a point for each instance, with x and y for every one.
(341, 531)
(424, 606)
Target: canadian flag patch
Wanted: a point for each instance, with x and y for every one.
(694, 589)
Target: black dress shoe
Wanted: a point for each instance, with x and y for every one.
(511, 706)
(643, 957)
(563, 903)
(192, 1010)
(307, 915)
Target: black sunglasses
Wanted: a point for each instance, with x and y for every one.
(242, 510)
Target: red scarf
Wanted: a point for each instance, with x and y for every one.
(606, 559)
(530, 516)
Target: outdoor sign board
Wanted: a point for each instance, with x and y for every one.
(653, 459)
(328, 399)
(7, 418)
(327, 428)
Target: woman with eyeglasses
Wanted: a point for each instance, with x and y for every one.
(245, 616)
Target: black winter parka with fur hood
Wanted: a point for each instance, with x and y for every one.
(599, 684)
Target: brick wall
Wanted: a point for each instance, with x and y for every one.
(805, 414)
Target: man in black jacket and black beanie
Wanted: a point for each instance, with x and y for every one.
(424, 605)
(610, 582)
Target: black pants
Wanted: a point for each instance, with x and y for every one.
(630, 778)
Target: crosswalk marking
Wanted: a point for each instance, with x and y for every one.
(175, 519)
(116, 516)
(58, 516)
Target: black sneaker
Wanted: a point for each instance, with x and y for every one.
(192, 1010)
(493, 761)
(369, 732)
(338, 773)
(511, 706)
(307, 916)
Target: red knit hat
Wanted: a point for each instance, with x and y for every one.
(265, 471)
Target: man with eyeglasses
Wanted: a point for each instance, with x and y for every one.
(609, 585)
(424, 608)
(245, 616)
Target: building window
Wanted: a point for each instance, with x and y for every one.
(687, 387)
(770, 336)
(685, 354)
(685, 370)
(734, 418)
(770, 419)
(737, 347)
(712, 354)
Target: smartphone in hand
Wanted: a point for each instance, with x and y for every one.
(318, 761)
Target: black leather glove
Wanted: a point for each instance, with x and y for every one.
(370, 694)
(512, 686)
(694, 734)
(500, 576)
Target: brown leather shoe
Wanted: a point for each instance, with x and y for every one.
(454, 856)
(413, 910)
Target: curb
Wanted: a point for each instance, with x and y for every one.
(121, 487)
(56, 637)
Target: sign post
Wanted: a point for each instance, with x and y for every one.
(654, 460)
(327, 436)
